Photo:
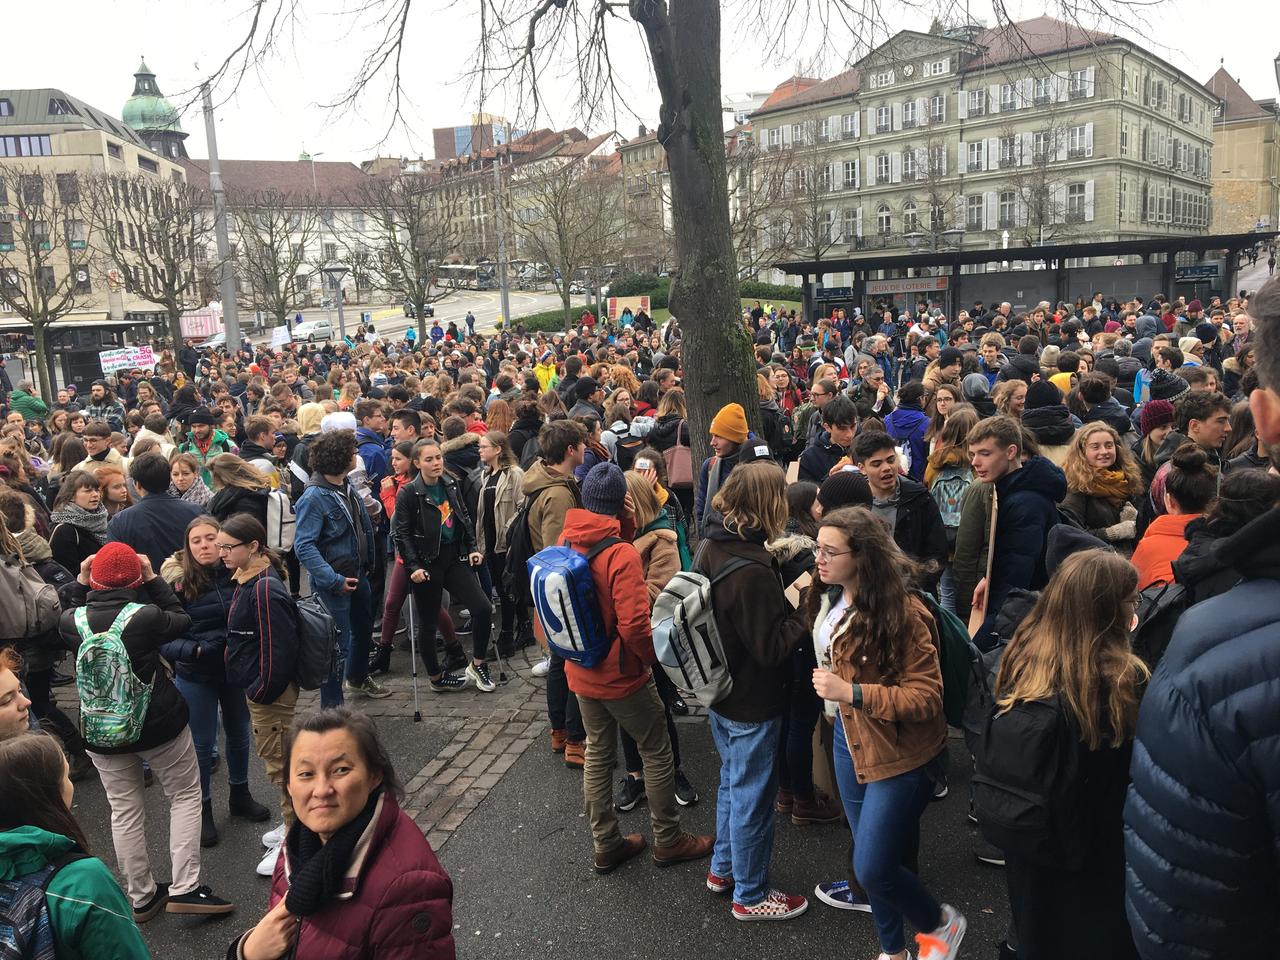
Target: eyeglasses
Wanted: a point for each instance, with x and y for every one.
(820, 552)
(227, 547)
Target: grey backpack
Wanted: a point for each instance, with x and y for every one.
(685, 636)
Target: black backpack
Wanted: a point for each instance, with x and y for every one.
(1159, 607)
(625, 450)
(515, 576)
(318, 639)
(1026, 785)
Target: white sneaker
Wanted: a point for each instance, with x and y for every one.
(542, 667)
(943, 943)
(267, 865)
(273, 838)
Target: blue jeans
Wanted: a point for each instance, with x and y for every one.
(353, 613)
(744, 804)
(947, 589)
(884, 817)
(202, 705)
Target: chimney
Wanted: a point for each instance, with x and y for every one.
(643, 131)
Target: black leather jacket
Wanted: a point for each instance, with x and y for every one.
(416, 524)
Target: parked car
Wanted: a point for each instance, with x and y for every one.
(410, 311)
(577, 288)
(216, 342)
(312, 330)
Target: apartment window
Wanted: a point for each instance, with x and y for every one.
(6, 107)
(1008, 151)
(882, 79)
(973, 212)
(938, 109)
(77, 234)
(331, 251)
(977, 103)
(847, 125)
(1041, 146)
(936, 68)
(850, 178)
(824, 180)
(908, 114)
(882, 168)
(1124, 139)
(40, 234)
(909, 171)
(1124, 199)
(1008, 96)
(147, 164)
(120, 233)
(46, 279)
(1075, 201)
(775, 137)
(6, 236)
(938, 217)
(797, 133)
(357, 222)
(1076, 142)
(884, 120)
(33, 145)
(1008, 204)
(32, 189)
(976, 149)
(884, 220)
(910, 218)
(68, 188)
(1077, 84)
(824, 130)
(937, 160)
(1043, 90)
(849, 223)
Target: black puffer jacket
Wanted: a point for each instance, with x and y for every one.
(1199, 568)
(198, 655)
(160, 620)
(663, 435)
(230, 500)
(1202, 811)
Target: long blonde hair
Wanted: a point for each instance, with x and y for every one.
(1080, 472)
(754, 498)
(1075, 644)
(228, 470)
(644, 498)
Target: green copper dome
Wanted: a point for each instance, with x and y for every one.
(148, 109)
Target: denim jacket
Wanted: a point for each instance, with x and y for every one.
(326, 533)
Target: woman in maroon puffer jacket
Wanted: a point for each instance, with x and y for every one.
(356, 879)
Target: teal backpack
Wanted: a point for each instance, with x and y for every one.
(113, 701)
(958, 659)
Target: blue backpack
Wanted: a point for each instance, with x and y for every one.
(564, 600)
(26, 929)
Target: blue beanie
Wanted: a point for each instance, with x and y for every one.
(604, 490)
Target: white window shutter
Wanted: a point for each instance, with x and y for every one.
(1088, 140)
(1028, 146)
(871, 120)
(962, 210)
(964, 156)
(1061, 88)
(857, 176)
(993, 153)
(922, 111)
(1019, 212)
(962, 105)
(857, 122)
(786, 133)
(896, 111)
(1088, 82)
(1059, 210)
(1060, 146)
(922, 158)
(1088, 200)
(833, 127)
(942, 155)
(1026, 92)
(895, 167)
(871, 173)
(994, 98)
(991, 205)
(857, 221)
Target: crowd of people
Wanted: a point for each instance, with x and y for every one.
(1052, 529)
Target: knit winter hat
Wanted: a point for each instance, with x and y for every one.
(949, 357)
(1194, 307)
(1042, 393)
(1168, 386)
(1154, 413)
(584, 388)
(848, 488)
(1206, 332)
(115, 566)
(604, 489)
(731, 423)
(975, 386)
(202, 415)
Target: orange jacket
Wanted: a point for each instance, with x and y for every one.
(1162, 544)
(624, 609)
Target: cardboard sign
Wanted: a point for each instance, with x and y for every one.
(127, 358)
(618, 304)
(280, 336)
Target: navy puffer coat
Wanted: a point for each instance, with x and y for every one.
(1203, 810)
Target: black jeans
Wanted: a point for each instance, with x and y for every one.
(496, 563)
(667, 692)
(51, 718)
(450, 571)
(795, 753)
(562, 706)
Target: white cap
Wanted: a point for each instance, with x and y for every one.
(340, 420)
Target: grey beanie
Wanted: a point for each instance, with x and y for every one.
(604, 489)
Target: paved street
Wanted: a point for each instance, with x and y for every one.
(505, 816)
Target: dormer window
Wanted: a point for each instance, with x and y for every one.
(59, 107)
(6, 107)
(882, 79)
(935, 68)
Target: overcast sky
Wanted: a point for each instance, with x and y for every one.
(276, 113)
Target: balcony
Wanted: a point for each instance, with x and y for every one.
(1077, 93)
(908, 124)
(975, 166)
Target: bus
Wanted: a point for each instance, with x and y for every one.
(466, 276)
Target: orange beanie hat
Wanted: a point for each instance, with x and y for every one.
(730, 423)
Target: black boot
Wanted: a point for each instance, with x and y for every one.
(380, 660)
(208, 829)
(81, 766)
(243, 805)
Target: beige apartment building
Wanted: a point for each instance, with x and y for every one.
(989, 138)
(1246, 158)
(52, 133)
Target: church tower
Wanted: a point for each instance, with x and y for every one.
(153, 117)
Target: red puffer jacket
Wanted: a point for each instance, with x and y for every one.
(624, 607)
(399, 904)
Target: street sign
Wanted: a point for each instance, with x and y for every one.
(280, 336)
(910, 285)
(1195, 272)
(128, 358)
(834, 293)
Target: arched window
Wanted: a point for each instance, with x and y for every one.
(910, 218)
(884, 219)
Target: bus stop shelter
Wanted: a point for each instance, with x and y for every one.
(1024, 276)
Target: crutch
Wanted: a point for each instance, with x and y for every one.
(413, 654)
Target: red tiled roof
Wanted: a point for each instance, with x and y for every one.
(788, 89)
(332, 179)
(1239, 105)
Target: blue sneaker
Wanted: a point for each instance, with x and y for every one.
(837, 894)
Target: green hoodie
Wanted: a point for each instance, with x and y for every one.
(89, 912)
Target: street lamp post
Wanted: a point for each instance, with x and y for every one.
(336, 271)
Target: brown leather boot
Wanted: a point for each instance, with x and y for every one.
(785, 801)
(821, 809)
(557, 741)
(575, 755)
(609, 860)
(688, 847)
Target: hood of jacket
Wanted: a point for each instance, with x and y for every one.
(1129, 367)
(537, 478)
(1038, 475)
(1254, 549)
(905, 422)
(1051, 424)
(460, 443)
(582, 528)
(171, 569)
(789, 546)
(26, 849)
(1147, 326)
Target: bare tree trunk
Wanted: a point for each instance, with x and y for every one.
(422, 322)
(175, 328)
(564, 299)
(717, 361)
(41, 363)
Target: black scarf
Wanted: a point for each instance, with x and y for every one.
(318, 867)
